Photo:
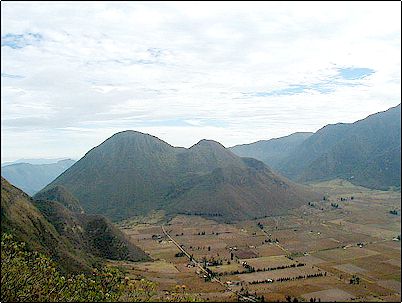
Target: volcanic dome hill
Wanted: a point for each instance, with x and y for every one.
(133, 173)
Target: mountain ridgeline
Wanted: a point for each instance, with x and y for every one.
(133, 173)
(31, 178)
(76, 241)
(366, 152)
(272, 151)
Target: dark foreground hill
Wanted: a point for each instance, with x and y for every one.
(76, 241)
(132, 173)
(366, 152)
(33, 177)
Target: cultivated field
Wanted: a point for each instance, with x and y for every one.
(347, 252)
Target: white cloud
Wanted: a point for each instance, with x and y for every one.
(180, 70)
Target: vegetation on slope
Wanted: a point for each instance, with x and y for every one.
(61, 194)
(29, 276)
(77, 242)
(133, 173)
(366, 152)
(22, 219)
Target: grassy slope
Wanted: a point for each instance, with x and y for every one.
(366, 152)
(133, 173)
(22, 219)
(76, 241)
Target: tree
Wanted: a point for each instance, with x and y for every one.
(29, 276)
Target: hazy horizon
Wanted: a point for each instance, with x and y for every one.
(75, 74)
(52, 160)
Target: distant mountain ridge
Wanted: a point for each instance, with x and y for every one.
(366, 152)
(33, 177)
(132, 173)
(34, 161)
(272, 151)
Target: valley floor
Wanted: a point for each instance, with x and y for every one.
(339, 249)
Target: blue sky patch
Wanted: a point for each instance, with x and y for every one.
(4, 75)
(355, 73)
(344, 77)
(16, 41)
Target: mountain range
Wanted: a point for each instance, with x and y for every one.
(34, 161)
(33, 177)
(133, 173)
(366, 152)
(272, 151)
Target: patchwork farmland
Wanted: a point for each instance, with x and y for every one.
(344, 248)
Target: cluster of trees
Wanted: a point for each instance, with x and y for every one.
(250, 269)
(346, 199)
(260, 225)
(354, 280)
(289, 299)
(201, 214)
(320, 274)
(29, 276)
(246, 293)
(267, 281)
(210, 274)
(179, 254)
(211, 262)
(393, 212)
(199, 247)
(335, 205)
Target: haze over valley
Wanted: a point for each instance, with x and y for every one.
(194, 152)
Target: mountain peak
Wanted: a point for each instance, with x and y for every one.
(208, 144)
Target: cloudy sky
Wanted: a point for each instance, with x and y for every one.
(73, 74)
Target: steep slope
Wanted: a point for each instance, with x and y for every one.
(75, 241)
(239, 192)
(367, 152)
(62, 195)
(33, 177)
(129, 172)
(22, 219)
(133, 173)
(272, 151)
(93, 234)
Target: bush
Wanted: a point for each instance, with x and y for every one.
(32, 276)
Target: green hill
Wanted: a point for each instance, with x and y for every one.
(61, 195)
(76, 242)
(133, 173)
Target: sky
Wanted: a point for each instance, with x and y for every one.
(75, 73)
